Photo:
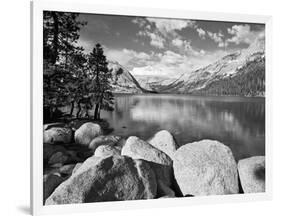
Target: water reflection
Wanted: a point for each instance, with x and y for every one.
(237, 122)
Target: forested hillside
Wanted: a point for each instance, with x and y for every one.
(248, 81)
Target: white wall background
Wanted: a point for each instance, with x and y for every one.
(14, 107)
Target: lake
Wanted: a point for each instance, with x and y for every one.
(238, 122)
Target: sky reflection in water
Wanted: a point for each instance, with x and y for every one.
(236, 121)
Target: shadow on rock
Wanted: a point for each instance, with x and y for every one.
(260, 173)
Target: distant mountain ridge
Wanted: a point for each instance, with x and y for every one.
(213, 79)
(248, 79)
(239, 73)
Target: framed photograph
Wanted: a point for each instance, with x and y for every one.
(140, 107)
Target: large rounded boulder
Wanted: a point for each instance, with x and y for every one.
(252, 174)
(113, 178)
(205, 168)
(158, 160)
(56, 135)
(164, 141)
(140, 149)
(86, 133)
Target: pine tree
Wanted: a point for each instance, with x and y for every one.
(78, 80)
(101, 76)
(60, 34)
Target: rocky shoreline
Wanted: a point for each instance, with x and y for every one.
(82, 165)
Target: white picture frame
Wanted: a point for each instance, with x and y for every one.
(37, 8)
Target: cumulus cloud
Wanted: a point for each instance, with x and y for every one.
(156, 40)
(201, 33)
(140, 21)
(177, 42)
(202, 52)
(241, 34)
(170, 25)
(162, 31)
(189, 50)
(185, 47)
(238, 34)
(218, 38)
(258, 44)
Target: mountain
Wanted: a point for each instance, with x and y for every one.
(234, 74)
(248, 79)
(240, 73)
(123, 81)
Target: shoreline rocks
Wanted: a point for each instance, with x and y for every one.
(158, 160)
(164, 141)
(86, 133)
(58, 158)
(111, 140)
(57, 135)
(87, 166)
(107, 150)
(140, 149)
(106, 179)
(206, 167)
(49, 150)
(252, 174)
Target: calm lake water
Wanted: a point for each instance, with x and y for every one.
(238, 122)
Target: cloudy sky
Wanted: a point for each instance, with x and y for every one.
(166, 47)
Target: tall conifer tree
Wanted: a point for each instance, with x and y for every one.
(101, 75)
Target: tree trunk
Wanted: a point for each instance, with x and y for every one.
(51, 113)
(96, 115)
(72, 108)
(88, 106)
(79, 110)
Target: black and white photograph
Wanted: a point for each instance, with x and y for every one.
(138, 108)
